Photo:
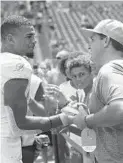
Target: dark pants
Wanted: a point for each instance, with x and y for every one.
(28, 154)
(63, 148)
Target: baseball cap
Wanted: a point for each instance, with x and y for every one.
(108, 27)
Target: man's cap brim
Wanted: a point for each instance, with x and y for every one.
(88, 32)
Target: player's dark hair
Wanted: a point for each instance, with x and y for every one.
(12, 23)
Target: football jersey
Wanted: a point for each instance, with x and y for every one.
(12, 67)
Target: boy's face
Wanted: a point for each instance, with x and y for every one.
(80, 77)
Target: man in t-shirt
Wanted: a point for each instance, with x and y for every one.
(106, 101)
(18, 39)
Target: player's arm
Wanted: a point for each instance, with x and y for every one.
(37, 105)
(14, 96)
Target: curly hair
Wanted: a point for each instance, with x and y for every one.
(80, 60)
(76, 54)
(11, 23)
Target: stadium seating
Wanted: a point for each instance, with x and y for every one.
(68, 21)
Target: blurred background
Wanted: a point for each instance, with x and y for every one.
(58, 23)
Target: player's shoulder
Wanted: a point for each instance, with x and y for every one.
(6, 56)
(14, 66)
(14, 61)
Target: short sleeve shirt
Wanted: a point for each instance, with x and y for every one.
(108, 87)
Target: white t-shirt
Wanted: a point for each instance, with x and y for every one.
(70, 92)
